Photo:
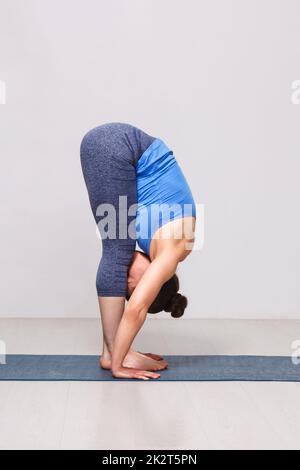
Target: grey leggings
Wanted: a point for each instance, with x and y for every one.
(109, 154)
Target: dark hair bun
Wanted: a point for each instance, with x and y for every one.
(177, 305)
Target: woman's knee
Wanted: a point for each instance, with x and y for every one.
(112, 274)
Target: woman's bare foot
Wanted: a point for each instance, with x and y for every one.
(156, 357)
(105, 362)
(129, 373)
(136, 360)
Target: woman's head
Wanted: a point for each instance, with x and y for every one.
(138, 266)
(168, 298)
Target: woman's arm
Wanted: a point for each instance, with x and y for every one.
(159, 271)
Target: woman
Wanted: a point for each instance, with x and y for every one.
(137, 192)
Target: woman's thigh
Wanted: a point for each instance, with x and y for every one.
(110, 177)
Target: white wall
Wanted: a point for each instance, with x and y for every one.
(213, 79)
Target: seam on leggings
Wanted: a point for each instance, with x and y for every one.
(112, 294)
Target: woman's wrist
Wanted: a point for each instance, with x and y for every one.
(117, 370)
(116, 366)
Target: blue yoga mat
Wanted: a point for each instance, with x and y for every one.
(181, 368)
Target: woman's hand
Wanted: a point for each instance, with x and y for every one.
(128, 373)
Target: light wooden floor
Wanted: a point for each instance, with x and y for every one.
(152, 415)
